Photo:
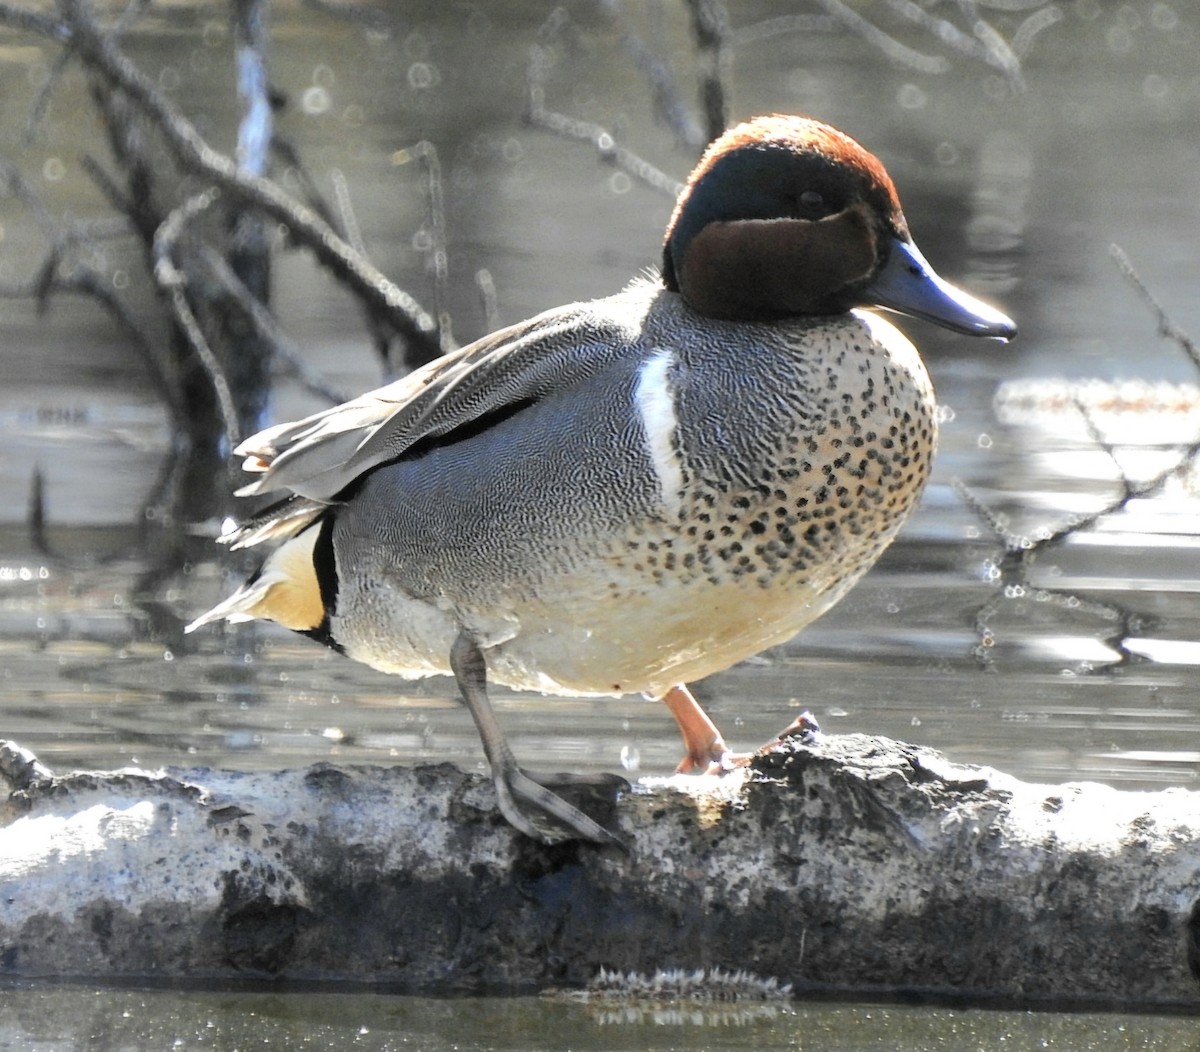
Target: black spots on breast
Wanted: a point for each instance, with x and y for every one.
(814, 497)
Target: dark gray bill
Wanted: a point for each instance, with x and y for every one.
(908, 284)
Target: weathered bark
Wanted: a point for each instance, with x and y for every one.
(856, 863)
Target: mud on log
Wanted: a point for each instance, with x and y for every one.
(854, 863)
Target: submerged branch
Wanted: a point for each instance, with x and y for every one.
(1012, 570)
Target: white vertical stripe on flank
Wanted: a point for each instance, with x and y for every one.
(655, 403)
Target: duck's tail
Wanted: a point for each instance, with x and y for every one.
(287, 588)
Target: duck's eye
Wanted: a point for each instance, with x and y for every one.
(811, 205)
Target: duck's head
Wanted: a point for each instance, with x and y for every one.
(786, 216)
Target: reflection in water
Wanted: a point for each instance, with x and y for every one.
(996, 230)
(676, 997)
(45, 1017)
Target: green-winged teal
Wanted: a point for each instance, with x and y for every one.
(629, 494)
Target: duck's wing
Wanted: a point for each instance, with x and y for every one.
(318, 457)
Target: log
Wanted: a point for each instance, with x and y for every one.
(850, 863)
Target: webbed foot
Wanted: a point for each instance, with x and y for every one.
(530, 805)
(526, 800)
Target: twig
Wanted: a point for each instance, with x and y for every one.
(268, 328)
(86, 281)
(1166, 327)
(107, 185)
(994, 522)
(171, 280)
(585, 131)
(81, 279)
(772, 28)
(1044, 18)
(487, 296)
(667, 103)
(41, 102)
(997, 51)
(941, 29)
(710, 27)
(890, 46)
(343, 220)
(426, 153)
(1009, 6)
(345, 211)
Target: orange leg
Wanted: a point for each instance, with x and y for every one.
(705, 749)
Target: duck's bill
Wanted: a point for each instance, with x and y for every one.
(908, 284)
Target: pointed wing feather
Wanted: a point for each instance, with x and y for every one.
(319, 456)
(281, 520)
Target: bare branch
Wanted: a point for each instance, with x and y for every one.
(1166, 327)
(426, 153)
(710, 27)
(173, 283)
(194, 154)
(585, 131)
(667, 103)
(268, 328)
(78, 279)
(889, 45)
(86, 281)
(1044, 18)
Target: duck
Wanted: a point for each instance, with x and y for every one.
(627, 494)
